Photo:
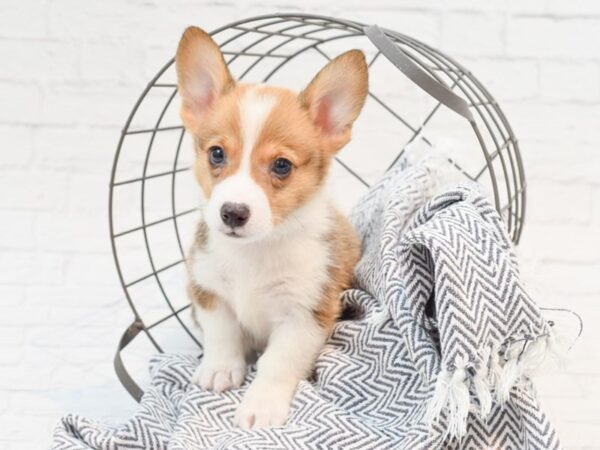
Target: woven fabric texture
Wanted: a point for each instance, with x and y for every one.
(437, 355)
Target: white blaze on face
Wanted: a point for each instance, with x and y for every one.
(255, 107)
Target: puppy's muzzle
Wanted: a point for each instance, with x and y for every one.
(235, 214)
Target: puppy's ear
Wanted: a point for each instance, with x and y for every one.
(202, 74)
(336, 95)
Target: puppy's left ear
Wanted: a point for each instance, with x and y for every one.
(335, 97)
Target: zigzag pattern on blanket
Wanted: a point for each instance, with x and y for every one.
(204, 419)
(397, 376)
(454, 249)
(481, 306)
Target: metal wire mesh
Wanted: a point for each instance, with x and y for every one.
(152, 197)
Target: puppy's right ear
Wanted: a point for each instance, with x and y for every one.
(202, 75)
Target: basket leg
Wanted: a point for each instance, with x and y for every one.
(128, 383)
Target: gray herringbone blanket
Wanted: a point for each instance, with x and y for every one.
(437, 355)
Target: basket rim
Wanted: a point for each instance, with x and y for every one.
(360, 28)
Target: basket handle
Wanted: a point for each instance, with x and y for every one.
(126, 380)
(417, 75)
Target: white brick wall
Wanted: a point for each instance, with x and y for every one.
(69, 74)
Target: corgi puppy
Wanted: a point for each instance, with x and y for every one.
(271, 255)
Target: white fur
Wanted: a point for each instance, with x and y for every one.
(255, 107)
(266, 281)
(269, 289)
(293, 346)
(240, 188)
(224, 363)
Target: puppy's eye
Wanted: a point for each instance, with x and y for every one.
(281, 167)
(216, 156)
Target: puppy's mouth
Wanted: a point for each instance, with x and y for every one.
(238, 235)
(235, 233)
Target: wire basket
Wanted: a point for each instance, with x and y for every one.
(153, 196)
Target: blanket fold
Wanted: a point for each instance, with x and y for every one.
(439, 356)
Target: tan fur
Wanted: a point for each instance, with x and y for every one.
(201, 297)
(296, 129)
(317, 97)
(196, 52)
(219, 128)
(345, 251)
(246, 294)
(197, 294)
(289, 133)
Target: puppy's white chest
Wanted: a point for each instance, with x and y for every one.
(264, 283)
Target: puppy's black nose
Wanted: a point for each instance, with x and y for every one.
(234, 214)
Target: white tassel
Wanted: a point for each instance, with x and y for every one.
(451, 393)
(558, 349)
(493, 376)
(437, 159)
(440, 396)
(510, 373)
(482, 386)
(458, 404)
(522, 362)
(494, 367)
(482, 391)
(534, 356)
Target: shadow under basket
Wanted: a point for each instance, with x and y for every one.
(418, 97)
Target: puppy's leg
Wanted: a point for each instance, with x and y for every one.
(288, 358)
(223, 365)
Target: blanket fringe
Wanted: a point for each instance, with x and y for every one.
(481, 383)
(438, 159)
(492, 379)
(451, 393)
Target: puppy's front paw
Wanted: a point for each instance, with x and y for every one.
(264, 406)
(220, 374)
